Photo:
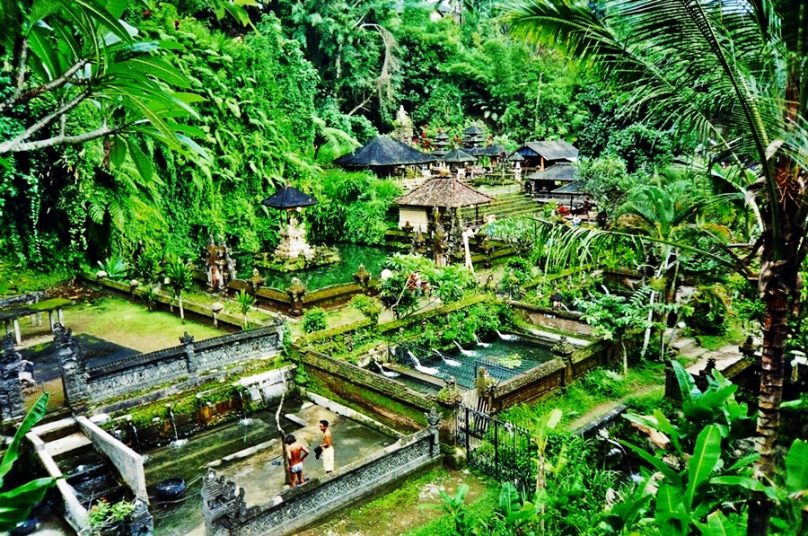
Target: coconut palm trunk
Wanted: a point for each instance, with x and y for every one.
(735, 72)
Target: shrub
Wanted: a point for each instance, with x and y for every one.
(370, 307)
(314, 320)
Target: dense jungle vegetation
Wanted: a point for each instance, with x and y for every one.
(279, 90)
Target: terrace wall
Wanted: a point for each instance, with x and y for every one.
(226, 513)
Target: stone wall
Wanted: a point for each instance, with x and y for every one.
(392, 402)
(226, 514)
(128, 462)
(141, 371)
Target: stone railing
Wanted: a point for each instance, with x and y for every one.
(226, 512)
(190, 359)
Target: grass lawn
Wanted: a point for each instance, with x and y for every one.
(412, 509)
(19, 280)
(125, 323)
(591, 393)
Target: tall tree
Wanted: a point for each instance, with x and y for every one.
(735, 71)
(74, 55)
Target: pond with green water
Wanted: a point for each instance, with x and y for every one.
(351, 256)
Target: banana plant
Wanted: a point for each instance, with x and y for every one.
(16, 503)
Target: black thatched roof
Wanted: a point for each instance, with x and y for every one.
(458, 156)
(289, 197)
(384, 151)
(491, 150)
(473, 130)
(558, 172)
(572, 188)
(515, 157)
(550, 150)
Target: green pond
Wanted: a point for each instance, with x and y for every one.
(351, 256)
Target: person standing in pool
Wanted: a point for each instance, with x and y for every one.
(296, 453)
(327, 446)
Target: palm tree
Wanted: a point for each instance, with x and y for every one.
(245, 302)
(735, 72)
(179, 279)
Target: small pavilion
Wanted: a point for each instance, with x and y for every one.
(384, 155)
(540, 155)
(552, 178)
(458, 158)
(442, 194)
(433, 206)
(11, 317)
(293, 237)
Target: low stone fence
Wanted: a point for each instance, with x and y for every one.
(84, 384)
(226, 512)
(392, 402)
(555, 319)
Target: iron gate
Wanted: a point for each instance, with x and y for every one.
(499, 449)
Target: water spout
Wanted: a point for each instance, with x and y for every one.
(420, 368)
(245, 419)
(447, 361)
(481, 343)
(606, 290)
(176, 442)
(135, 437)
(467, 353)
(507, 337)
(386, 373)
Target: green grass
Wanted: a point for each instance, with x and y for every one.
(733, 335)
(128, 324)
(596, 388)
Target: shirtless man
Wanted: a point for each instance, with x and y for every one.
(296, 453)
(327, 446)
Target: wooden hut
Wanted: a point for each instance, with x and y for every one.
(384, 155)
(442, 194)
(457, 158)
(539, 155)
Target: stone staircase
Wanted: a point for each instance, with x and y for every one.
(689, 348)
(508, 205)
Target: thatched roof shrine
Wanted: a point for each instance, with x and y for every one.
(443, 192)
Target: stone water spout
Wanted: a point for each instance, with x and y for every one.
(386, 373)
(481, 343)
(420, 368)
(467, 353)
(507, 336)
(447, 361)
(176, 442)
(245, 419)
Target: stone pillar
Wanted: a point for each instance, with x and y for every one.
(12, 407)
(564, 350)
(17, 333)
(141, 522)
(222, 502)
(191, 360)
(71, 361)
(50, 321)
(60, 316)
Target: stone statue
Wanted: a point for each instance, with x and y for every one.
(256, 280)
(362, 277)
(220, 267)
(403, 126)
(440, 244)
(296, 291)
(407, 227)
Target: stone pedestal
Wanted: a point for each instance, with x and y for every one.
(12, 407)
(293, 242)
(71, 362)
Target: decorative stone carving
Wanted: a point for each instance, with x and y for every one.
(433, 417)
(748, 348)
(293, 242)
(296, 291)
(362, 277)
(12, 405)
(220, 267)
(222, 500)
(187, 342)
(564, 350)
(407, 227)
(71, 361)
(450, 395)
(141, 522)
(256, 280)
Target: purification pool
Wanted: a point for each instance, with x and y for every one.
(261, 474)
(351, 256)
(502, 359)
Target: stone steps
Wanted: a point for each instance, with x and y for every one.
(67, 444)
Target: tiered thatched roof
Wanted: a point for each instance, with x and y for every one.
(559, 172)
(384, 151)
(443, 192)
(458, 156)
